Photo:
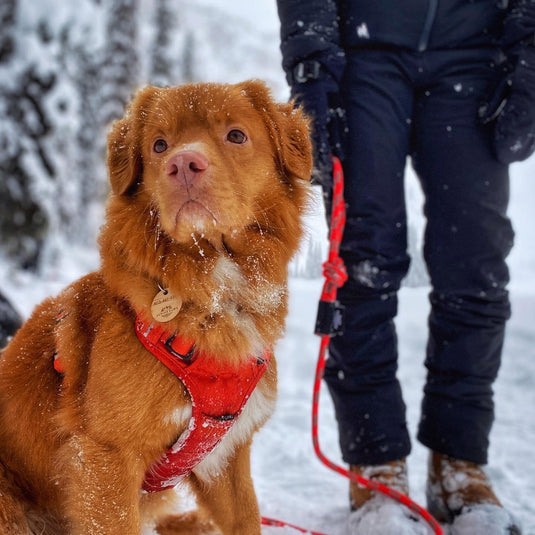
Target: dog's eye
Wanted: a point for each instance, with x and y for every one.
(160, 145)
(236, 136)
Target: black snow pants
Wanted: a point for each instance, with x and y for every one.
(425, 105)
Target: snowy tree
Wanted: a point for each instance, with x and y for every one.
(164, 24)
(24, 124)
(52, 122)
(120, 66)
(173, 50)
(188, 58)
(7, 30)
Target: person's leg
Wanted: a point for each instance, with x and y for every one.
(467, 239)
(362, 363)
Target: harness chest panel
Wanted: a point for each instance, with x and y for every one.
(218, 394)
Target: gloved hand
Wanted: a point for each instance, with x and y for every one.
(319, 96)
(512, 104)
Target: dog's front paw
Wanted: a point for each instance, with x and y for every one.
(189, 523)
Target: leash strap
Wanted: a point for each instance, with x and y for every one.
(218, 395)
(329, 321)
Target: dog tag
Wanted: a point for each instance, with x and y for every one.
(165, 306)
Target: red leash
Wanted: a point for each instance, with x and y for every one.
(335, 274)
(329, 323)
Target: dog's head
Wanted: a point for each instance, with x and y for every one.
(210, 159)
(209, 182)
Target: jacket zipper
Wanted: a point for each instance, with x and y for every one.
(428, 25)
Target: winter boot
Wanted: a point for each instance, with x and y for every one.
(460, 493)
(376, 514)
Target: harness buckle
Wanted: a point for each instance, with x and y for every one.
(188, 357)
(307, 70)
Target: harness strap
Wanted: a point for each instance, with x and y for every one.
(218, 395)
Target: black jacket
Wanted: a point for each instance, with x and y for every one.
(323, 29)
(420, 24)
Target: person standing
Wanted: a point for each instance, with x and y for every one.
(451, 84)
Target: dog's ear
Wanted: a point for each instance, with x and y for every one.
(124, 158)
(288, 128)
(124, 145)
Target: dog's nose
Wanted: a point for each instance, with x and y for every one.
(188, 164)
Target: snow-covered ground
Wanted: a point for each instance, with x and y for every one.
(291, 482)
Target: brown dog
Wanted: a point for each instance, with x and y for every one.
(208, 185)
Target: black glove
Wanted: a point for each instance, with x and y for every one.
(512, 104)
(317, 91)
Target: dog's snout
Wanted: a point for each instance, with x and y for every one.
(187, 163)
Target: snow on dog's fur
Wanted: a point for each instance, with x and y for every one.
(208, 182)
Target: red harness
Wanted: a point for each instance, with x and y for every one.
(218, 395)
